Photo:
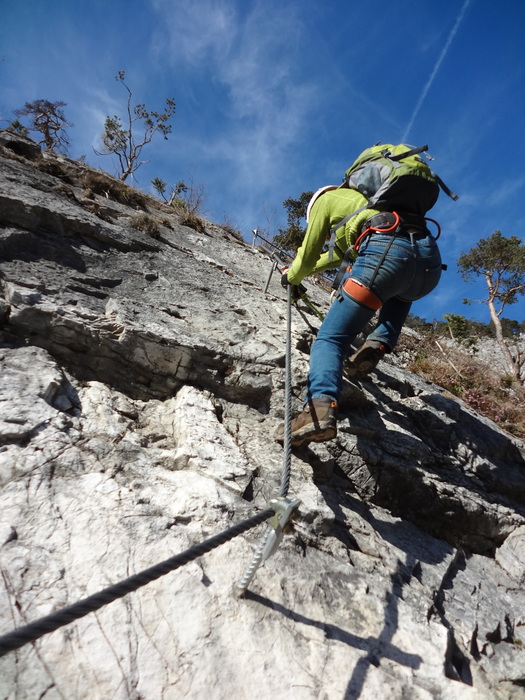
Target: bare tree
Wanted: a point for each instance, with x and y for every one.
(501, 262)
(47, 118)
(122, 140)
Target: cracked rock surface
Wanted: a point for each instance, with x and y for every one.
(142, 379)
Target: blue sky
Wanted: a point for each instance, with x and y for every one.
(277, 97)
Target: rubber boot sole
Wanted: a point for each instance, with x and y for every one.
(316, 435)
(361, 366)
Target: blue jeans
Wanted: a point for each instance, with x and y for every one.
(410, 270)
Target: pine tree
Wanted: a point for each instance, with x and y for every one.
(291, 237)
(501, 262)
(47, 118)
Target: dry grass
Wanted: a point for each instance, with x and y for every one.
(188, 218)
(147, 224)
(490, 393)
(62, 171)
(230, 228)
(97, 182)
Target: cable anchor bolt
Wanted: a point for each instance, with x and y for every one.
(284, 510)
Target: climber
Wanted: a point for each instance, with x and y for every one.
(397, 262)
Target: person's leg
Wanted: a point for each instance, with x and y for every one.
(318, 420)
(381, 340)
(391, 275)
(392, 316)
(420, 274)
(416, 270)
(344, 321)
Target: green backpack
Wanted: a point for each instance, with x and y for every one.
(393, 177)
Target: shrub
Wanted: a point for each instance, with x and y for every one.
(188, 198)
(180, 205)
(193, 221)
(147, 224)
(97, 182)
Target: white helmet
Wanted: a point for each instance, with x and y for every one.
(317, 194)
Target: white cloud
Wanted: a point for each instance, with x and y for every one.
(435, 70)
(198, 31)
(266, 103)
(507, 191)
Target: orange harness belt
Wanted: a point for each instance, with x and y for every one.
(360, 293)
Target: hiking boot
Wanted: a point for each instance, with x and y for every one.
(365, 359)
(317, 423)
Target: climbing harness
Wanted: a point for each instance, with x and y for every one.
(407, 225)
(284, 508)
(385, 222)
(359, 292)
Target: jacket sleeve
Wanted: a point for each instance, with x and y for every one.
(310, 257)
(312, 246)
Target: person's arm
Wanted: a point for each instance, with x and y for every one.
(330, 208)
(312, 246)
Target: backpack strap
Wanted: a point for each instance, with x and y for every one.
(334, 229)
(413, 152)
(406, 154)
(440, 182)
(445, 189)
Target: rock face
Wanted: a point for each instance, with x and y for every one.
(142, 377)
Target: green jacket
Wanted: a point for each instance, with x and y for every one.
(329, 209)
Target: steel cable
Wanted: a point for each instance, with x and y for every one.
(257, 558)
(287, 445)
(34, 630)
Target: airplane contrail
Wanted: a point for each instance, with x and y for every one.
(429, 82)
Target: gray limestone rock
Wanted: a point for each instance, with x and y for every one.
(141, 382)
